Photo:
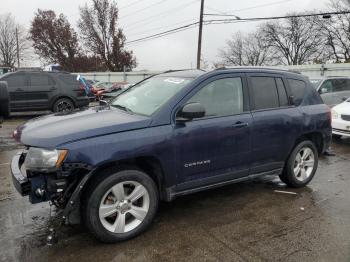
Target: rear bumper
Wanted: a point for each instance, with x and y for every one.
(21, 183)
(82, 101)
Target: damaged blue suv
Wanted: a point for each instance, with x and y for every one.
(170, 135)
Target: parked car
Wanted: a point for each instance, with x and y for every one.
(170, 135)
(4, 101)
(37, 90)
(341, 119)
(333, 90)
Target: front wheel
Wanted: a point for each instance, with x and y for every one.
(121, 206)
(301, 165)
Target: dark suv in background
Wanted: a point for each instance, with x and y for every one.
(37, 90)
(170, 135)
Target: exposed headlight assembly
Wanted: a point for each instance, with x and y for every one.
(40, 159)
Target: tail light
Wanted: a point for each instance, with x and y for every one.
(329, 113)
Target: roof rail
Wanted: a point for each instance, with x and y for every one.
(259, 68)
(179, 70)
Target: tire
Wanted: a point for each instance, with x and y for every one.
(5, 110)
(117, 198)
(301, 165)
(63, 105)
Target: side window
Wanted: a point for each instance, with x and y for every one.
(282, 94)
(297, 89)
(340, 85)
(40, 80)
(265, 92)
(16, 80)
(326, 87)
(221, 97)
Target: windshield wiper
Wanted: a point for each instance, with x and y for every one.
(124, 108)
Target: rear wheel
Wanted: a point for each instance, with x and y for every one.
(121, 206)
(4, 109)
(63, 105)
(301, 166)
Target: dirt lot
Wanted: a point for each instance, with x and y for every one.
(242, 222)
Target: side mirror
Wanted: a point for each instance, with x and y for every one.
(345, 98)
(190, 111)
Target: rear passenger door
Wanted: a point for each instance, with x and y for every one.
(17, 88)
(41, 89)
(274, 122)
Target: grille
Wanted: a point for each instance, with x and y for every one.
(345, 117)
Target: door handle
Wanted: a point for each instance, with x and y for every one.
(53, 88)
(19, 89)
(240, 124)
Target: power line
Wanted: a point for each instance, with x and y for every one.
(279, 17)
(131, 4)
(221, 21)
(248, 8)
(157, 16)
(143, 9)
(161, 27)
(174, 30)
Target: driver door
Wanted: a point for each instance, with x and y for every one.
(216, 147)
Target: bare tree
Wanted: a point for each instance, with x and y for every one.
(336, 31)
(8, 43)
(294, 41)
(246, 50)
(98, 27)
(232, 54)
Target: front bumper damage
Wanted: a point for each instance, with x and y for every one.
(63, 187)
(21, 182)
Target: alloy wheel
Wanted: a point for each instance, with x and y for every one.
(304, 164)
(124, 207)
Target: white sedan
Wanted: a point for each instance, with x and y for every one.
(341, 119)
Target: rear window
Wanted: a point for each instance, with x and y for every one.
(282, 94)
(40, 80)
(265, 92)
(297, 90)
(69, 79)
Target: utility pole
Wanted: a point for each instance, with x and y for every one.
(199, 50)
(18, 63)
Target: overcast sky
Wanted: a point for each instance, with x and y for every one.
(140, 18)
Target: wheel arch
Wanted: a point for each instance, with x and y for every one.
(314, 137)
(56, 98)
(148, 164)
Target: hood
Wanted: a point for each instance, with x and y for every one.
(343, 108)
(53, 130)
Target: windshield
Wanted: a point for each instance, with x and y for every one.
(149, 95)
(315, 82)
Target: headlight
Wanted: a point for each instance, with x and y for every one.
(39, 159)
(335, 115)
